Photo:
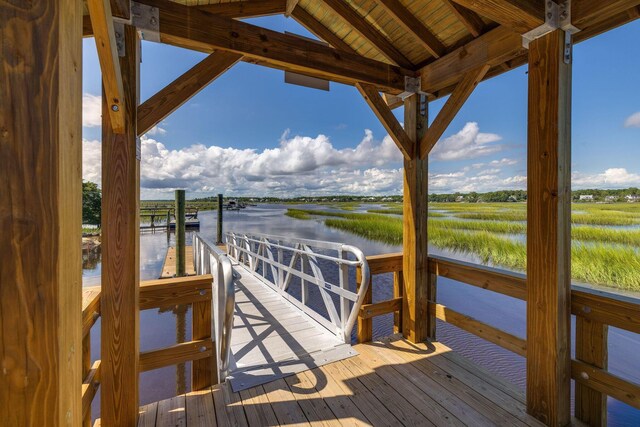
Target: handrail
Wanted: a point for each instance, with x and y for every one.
(208, 258)
(271, 251)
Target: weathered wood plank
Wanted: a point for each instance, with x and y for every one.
(113, 89)
(246, 8)
(179, 91)
(178, 353)
(606, 383)
(195, 29)
(518, 15)
(169, 268)
(368, 311)
(179, 290)
(172, 412)
(257, 408)
(369, 32)
(40, 213)
(469, 18)
(388, 120)
(316, 27)
(414, 229)
(203, 371)
(148, 415)
(385, 263)
(549, 231)
(448, 112)
(90, 308)
(200, 410)
(591, 348)
(365, 325)
(120, 252)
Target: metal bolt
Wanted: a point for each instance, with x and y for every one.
(549, 15)
(114, 107)
(584, 375)
(153, 20)
(203, 349)
(586, 309)
(203, 292)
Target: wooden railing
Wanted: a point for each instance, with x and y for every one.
(594, 310)
(194, 290)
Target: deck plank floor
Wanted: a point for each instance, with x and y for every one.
(391, 382)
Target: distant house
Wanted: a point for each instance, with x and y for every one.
(611, 199)
(460, 199)
(586, 197)
(632, 198)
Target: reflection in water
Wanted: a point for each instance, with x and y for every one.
(494, 309)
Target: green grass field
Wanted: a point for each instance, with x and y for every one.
(603, 253)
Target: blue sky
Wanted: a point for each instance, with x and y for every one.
(249, 133)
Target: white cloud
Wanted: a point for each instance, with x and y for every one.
(633, 121)
(610, 178)
(156, 130)
(91, 160)
(468, 143)
(91, 110)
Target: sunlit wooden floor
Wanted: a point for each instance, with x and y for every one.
(389, 383)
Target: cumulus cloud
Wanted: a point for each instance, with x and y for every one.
(468, 143)
(633, 121)
(610, 178)
(91, 160)
(91, 110)
(156, 130)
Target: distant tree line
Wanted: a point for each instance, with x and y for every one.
(91, 203)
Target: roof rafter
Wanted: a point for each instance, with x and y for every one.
(413, 26)
(369, 32)
(316, 27)
(246, 9)
(121, 8)
(474, 23)
(388, 120)
(195, 29)
(457, 99)
(519, 15)
(102, 23)
(179, 91)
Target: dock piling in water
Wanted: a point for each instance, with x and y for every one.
(180, 233)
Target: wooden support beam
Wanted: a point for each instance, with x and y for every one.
(207, 32)
(475, 25)
(121, 251)
(369, 32)
(204, 372)
(591, 348)
(120, 8)
(455, 102)
(549, 231)
(388, 120)
(316, 27)
(392, 101)
(290, 7)
(104, 34)
(518, 15)
(179, 91)
(41, 213)
(413, 26)
(365, 325)
(176, 354)
(246, 8)
(415, 274)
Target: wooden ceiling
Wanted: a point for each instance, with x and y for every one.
(439, 40)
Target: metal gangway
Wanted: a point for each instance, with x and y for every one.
(281, 305)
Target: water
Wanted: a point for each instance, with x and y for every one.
(158, 329)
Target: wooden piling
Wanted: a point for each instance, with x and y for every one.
(219, 242)
(180, 233)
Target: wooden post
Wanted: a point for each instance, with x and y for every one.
(548, 231)
(40, 213)
(415, 321)
(180, 234)
(203, 371)
(365, 326)
(398, 281)
(591, 348)
(86, 367)
(219, 242)
(121, 252)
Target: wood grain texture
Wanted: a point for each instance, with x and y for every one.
(398, 280)
(591, 347)
(203, 371)
(163, 293)
(549, 231)
(104, 36)
(168, 99)
(90, 386)
(606, 383)
(40, 213)
(385, 263)
(379, 308)
(120, 252)
(475, 25)
(176, 354)
(388, 120)
(414, 27)
(414, 229)
(246, 8)
(365, 325)
(188, 27)
(518, 15)
(316, 27)
(463, 90)
(369, 32)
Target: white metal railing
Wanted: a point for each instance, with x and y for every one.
(285, 258)
(209, 259)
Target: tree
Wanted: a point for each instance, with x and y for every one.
(91, 203)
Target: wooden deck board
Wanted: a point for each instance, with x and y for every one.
(389, 383)
(169, 264)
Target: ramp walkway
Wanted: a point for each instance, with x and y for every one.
(282, 306)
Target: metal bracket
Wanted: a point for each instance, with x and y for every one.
(118, 29)
(557, 15)
(412, 85)
(147, 20)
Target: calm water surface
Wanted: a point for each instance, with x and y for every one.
(164, 328)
